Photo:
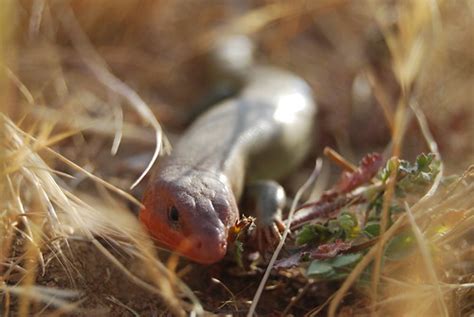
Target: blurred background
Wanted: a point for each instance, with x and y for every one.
(356, 55)
(85, 76)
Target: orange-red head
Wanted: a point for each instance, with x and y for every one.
(190, 211)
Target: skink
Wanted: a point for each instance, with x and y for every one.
(262, 133)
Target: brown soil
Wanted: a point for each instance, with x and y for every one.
(151, 45)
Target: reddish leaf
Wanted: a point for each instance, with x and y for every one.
(291, 261)
(337, 197)
(323, 251)
(330, 250)
(367, 169)
(327, 207)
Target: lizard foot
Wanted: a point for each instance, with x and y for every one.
(268, 236)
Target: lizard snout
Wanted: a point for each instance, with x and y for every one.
(208, 249)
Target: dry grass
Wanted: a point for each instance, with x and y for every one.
(80, 80)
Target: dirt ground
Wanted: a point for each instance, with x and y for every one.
(108, 293)
(158, 48)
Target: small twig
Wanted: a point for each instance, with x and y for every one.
(324, 209)
(317, 310)
(32, 256)
(387, 201)
(119, 303)
(339, 159)
(295, 299)
(118, 121)
(233, 301)
(397, 139)
(21, 87)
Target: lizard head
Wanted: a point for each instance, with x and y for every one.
(189, 212)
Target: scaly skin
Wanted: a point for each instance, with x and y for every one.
(262, 133)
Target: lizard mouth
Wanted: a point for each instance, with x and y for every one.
(201, 251)
(204, 249)
(195, 249)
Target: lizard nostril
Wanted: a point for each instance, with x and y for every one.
(198, 245)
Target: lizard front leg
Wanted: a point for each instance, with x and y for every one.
(267, 199)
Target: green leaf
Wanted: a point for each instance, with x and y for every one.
(372, 229)
(413, 178)
(312, 233)
(334, 228)
(320, 268)
(239, 250)
(306, 234)
(345, 260)
(423, 162)
(330, 269)
(348, 222)
(387, 170)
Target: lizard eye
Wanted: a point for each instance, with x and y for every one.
(173, 214)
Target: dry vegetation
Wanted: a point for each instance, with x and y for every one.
(82, 81)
